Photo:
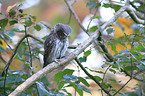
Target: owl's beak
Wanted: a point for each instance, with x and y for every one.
(64, 33)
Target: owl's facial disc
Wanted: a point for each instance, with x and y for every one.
(62, 30)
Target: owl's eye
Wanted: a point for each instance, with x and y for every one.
(61, 33)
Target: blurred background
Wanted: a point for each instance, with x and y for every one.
(51, 12)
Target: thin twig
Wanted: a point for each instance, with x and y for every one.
(28, 47)
(3, 60)
(57, 87)
(91, 20)
(5, 85)
(30, 57)
(74, 14)
(69, 17)
(92, 77)
(104, 77)
(132, 44)
(35, 38)
(70, 13)
(122, 87)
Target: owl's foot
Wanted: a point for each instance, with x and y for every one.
(57, 60)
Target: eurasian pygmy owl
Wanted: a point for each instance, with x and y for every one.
(56, 43)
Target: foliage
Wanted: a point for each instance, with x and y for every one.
(128, 46)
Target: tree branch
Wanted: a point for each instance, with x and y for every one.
(28, 47)
(134, 17)
(122, 87)
(35, 38)
(135, 7)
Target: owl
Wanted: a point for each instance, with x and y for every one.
(56, 43)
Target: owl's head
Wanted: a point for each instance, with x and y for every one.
(62, 30)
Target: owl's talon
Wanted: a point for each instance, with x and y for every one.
(57, 60)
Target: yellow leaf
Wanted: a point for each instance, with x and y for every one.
(126, 24)
(9, 8)
(3, 45)
(119, 47)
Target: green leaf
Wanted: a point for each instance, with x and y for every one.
(33, 17)
(79, 90)
(87, 53)
(93, 5)
(12, 13)
(84, 81)
(95, 71)
(93, 29)
(109, 30)
(17, 30)
(59, 76)
(68, 78)
(113, 47)
(69, 94)
(90, 3)
(59, 94)
(61, 84)
(12, 22)
(22, 15)
(1, 43)
(20, 10)
(141, 67)
(28, 21)
(82, 59)
(128, 68)
(37, 27)
(106, 5)
(13, 78)
(3, 23)
(114, 81)
(85, 89)
(98, 78)
(68, 71)
(125, 37)
(138, 47)
(10, 32)
(45, 81)
(41, 87)
(115, 7)
(94, 17)
(112, 70)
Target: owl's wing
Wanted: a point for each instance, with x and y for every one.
(49, 45)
